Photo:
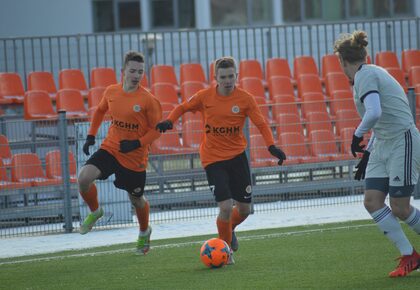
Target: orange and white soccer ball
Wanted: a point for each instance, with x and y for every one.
(214, 253)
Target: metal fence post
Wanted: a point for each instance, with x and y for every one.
(65, 172)
(388, 36)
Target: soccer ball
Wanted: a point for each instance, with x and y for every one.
(214, 253)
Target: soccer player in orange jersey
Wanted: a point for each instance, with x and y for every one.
(222, 151)
(124, 152)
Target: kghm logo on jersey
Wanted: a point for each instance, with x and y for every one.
(136, 108)
(235, 109)
(222, 131)
(125, 125)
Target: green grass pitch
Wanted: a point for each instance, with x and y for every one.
(352, 255)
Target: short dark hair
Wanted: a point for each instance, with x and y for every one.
(352, 47)
(133, 56)
(224, 62)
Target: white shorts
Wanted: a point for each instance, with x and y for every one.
(397, 159)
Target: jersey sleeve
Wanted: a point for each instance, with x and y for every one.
(154, 115)
(193, 104)
(259, 121)
(99, 114)
(366, 82)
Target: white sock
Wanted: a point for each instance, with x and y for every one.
(413, 220)
(389, 225)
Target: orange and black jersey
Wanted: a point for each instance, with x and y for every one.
(134, 116)
(224, 118)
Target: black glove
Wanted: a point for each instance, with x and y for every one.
(90, 140)
(355, 145)
(361, 166)
(163, 126)
(129, 145)
(278, 153)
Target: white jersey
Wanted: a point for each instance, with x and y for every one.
(396, 115)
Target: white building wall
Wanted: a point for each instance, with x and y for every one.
(45, 17)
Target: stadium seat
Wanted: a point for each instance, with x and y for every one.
(254, 86)
(53, 165)
(212, 80)
(398, 75)
(313, 102)
(280, 85)
(188, 89)
(192, 134)
(191, 72)
(42, 80)
(264, 108)
(287, 122)
(260, 157)
(278, 67)
(26, 167)
(368, 59)
(169, 143)
(11, 88)
(38, 105)
(165, 93)
(387, 59)
(409, 59)
(303, 65)
(144, 82)
(323, 145)
(341, 100)
(163, 74)
(346, 119)
(318, 121)
(6, 183)
(95, 96)
(71, 101)
(346, 137)
(414, 76)
(330, 64)
(284, 104)
(73, 79)
(192, 116)
(336, 82)
(102, 77)
(294, 146)
(251, 68)
(5, 152)
(309, 84)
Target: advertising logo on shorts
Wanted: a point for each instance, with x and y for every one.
(136, 108)
(235, 109)
(248, 189)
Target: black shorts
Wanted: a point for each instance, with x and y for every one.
(131, 181)
(230, 179)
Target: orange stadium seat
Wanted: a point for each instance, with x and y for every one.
(284, 104)
(192, 134)
(368, 59)
(336, 82)
(169, 143)
(414, 76)
(346, 136)
(102, 77)
(398, 75)
(26, 167)
(254, 86)
(11, 88)
(191, 72)
(42, 80)
(304, 65)
(95, 96)
(251, 68)
(212, 80)
(264, 108)
(260, 157)
(288, 123)
(6, 183)
(323, 145)
(330, 64)
(280, 85)
(341, 100)
(387, 59)
(188, 89)
(165, 93)
(346, 119)
(163, 74)
(318, 121)
(410, 59)
(53, 165)
(5, 152)
(192, 116)
(38, 105)
(73, 79)
(278, 67)
(313, 102)
(294, 146)
(309, 84)
(144, 82)
(71, 101)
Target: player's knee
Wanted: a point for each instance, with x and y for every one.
(401, 212)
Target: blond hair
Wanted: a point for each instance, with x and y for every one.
(352, 47)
